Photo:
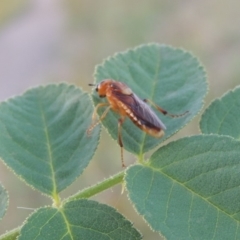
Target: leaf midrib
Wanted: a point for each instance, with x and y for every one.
(67, 223)
(141, 152)
(226, 113)
(49, 150)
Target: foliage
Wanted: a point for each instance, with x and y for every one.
(187, 189)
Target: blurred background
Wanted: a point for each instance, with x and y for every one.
(45, 41)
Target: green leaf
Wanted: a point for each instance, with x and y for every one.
(3, 201)
(190, 189)
(80, 219)
(222, 116)
(171, 78)
(43, 136)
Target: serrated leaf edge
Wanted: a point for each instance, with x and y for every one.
(8, 234)
(21, 95)
(208, 108)
(61, 210)
(148, 166)
(135, 208)
(7, 204)
(200, 65)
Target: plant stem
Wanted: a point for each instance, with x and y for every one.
(141, 158)
(99, 187)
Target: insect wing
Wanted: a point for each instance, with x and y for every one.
(141, 111)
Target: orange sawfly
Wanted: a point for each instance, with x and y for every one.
(122, 100)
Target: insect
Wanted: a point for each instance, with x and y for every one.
(122, 100)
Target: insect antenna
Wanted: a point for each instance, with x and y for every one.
(91, 84)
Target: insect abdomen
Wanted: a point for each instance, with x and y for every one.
(149, 128)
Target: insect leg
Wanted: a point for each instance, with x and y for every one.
(93, 125)
(120, 142)
(94, 115)
(164, 112)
